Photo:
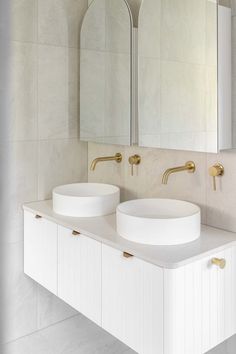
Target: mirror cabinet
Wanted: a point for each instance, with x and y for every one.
(106, 73)
(172, 90)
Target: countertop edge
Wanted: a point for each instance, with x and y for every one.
(174, 265)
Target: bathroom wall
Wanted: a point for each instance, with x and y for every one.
(44, 146)
(218, 208)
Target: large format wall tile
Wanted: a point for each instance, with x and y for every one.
(59, 21)
(44, 105)
(24, 92)
(24, 20)
(52, 92)
(60, 162)
(221, 205)
(23, 184)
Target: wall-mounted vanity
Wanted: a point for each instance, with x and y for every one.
(156, 299)
(180, 90)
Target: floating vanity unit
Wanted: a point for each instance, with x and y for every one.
(157, 299)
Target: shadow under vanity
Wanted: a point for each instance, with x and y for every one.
(145, 270)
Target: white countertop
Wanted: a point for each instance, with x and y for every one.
(103, 229)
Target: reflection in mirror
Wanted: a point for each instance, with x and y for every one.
(178, 75)
(105, 59)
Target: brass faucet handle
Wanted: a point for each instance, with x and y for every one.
(216, 171)
(134, 161)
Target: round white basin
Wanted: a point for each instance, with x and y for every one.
(158, 221)
(85, 199)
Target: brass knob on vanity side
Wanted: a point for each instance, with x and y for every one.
(134, 160)
(219, 262)
(216, 171)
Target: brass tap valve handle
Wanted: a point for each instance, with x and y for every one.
(216, 171)
(134, 160)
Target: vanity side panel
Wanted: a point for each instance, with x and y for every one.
(200, 305)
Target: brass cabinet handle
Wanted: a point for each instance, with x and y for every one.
(38, 216)
(75, 233)
(219, 262)
(127, 255)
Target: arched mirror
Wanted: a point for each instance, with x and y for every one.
(106, 58)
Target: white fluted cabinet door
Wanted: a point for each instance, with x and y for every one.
(40, 250)
(132, 301)
(79, 273)
(200, 305)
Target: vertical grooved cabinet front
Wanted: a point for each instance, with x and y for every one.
(200, 304)
(40, 250)
(79, 273)
(189, 309)
(132, 301)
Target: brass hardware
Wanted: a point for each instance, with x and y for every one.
(216, 171)
(127, 255)
(38, 216)
(134, 160)
(219, 262)
(75, 233)
(189, 167)
(117, 158)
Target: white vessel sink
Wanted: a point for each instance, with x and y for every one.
(158, 221)
(85, 199)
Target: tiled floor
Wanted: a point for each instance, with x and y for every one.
(76, 335)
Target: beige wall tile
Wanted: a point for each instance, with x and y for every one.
(24, 20)
(22, 184)
(59, 21)
(73, 84)
(23, 123)
(221, 205)
(60, 162)
(53, 118)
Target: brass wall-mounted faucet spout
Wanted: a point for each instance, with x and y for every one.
(117, 158)
(189, 167)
